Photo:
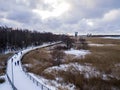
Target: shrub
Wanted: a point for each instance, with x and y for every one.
(57, 57)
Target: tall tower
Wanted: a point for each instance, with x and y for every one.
(76, 40)
(76, 34)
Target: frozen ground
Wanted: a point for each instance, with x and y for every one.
(5, 85)
(77, 52)
(100, 45)
(54, 84)
(43, 81)
(21, 81)
(87, 70)
(112, 37)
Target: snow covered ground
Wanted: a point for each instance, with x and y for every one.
(112, 37)
(5, 85)
(43, 81)
(87, 70)
(21, 81)
(77, 52)
(14, 70)
(100, 45)
(54, 84)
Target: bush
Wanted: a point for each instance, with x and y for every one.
(57, 57)
(61, 48)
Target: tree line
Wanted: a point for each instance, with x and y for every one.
(15, 39)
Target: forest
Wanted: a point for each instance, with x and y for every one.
(16, 39)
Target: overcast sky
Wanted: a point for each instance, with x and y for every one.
(62, 16)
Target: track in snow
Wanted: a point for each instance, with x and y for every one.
(21, 81)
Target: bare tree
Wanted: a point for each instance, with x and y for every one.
(68, 41)
(16, 39)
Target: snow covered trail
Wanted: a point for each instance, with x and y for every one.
(21, 81)
(17, 75)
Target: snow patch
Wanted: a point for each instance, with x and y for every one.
(53, 84)
(43, 81)
(88, 71)
(77, 52)
(100, 45)
(111, 37)
(27, 65)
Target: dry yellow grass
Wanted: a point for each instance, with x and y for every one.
(82, 83)
(97, 40)
(39, 59)
(105, 58)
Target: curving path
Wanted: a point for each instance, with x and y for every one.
(14, 68)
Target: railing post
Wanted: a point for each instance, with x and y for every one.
(42, 87)
(12, 71)
(33, 80)
(37, 83)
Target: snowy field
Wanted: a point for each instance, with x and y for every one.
(87, 70)
(100, 45)
(112, 37)
(77, 52)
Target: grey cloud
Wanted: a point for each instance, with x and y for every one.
(53, 23)
(19, 13)
(20, 16)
